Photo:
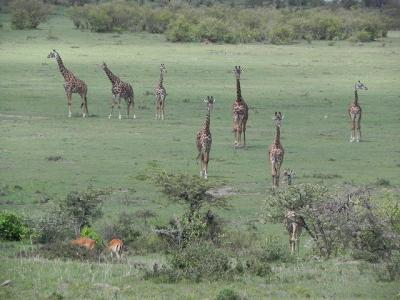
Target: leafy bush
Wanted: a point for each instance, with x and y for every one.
(274, 250)
(124, 228)
(228, 294)
(344, 222)
(181, 30)
(29, 13)
(212, 29)
(90, 233)
(281, 35)
(12, 227)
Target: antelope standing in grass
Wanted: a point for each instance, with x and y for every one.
(115, 247)
(84, 242)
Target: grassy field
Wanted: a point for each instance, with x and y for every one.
(311, 84)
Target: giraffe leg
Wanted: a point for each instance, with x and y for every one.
(244, 132)
(353, 129)
(358, 130)
(133, 107)
(69, 99)
(206, 165)
(201, 165)
(83, 106)
(119, 107)
(162, 110)
(112, 107)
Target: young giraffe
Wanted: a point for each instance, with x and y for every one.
(204, 140)
(240, 112)
(288, 176)
(276, 151)
(294, 225)
(161, 94)
(119, 89)
(72, 85)
(355, 113)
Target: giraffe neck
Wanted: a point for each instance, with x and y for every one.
(355, 97)
(206, 125)
(110, 75)
(63, 69)
(238, 90)
(160, 83)
(277, 136)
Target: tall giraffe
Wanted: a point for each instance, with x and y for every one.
(276, 151)
(119, 89)
(204, 140)
(240, 112)
(355, 112)
(72, 84)
(161, 94)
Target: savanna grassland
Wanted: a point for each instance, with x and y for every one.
(310, 83)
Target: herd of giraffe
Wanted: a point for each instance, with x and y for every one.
(240, 114)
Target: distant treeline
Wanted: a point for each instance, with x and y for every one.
(226, 24)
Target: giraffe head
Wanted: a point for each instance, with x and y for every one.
(163, 69)
(210, 102)
(278, 117)
(53, 54)
(103, 65)
(237, 71)
(360, 86)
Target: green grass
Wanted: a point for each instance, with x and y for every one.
(311, 84)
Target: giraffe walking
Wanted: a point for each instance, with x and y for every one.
(161, 94)
(240, 112)
(204, 140)
(294, 225)
(355, 112)
(119, 90)
(276, 151)
(72, 84)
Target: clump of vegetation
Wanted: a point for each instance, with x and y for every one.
(28, 14)
(224, 24)
(228, 294)
(92, 234)
(345, 222)
(124, 228)
(68, 217)
(12, 227)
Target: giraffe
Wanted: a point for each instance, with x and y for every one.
(161, 94)
(204, 140)
(119, 89)
(276, 151)
(294, 225)
(72, 84)
(355, 113)
(288, 176)
(240, 112)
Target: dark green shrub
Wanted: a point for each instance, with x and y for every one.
(124, 228)
(212, 29)
(29, 13)
(198, 261)
(274, 250)
(79, 16)
(90, 233)
(281, 35)
(181, 30)
(363, 36)
(100, 20)
(157, 21)
(12, 227)
(228, 294)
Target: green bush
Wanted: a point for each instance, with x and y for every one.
(90, 233)
(363, 36)
(228, 294)
(281, 35)
(212, 29)
(181, 30)
(12, 227)
(29, 13)
(100, 20)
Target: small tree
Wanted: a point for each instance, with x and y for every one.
(145, 214)
(29, 13)
(83, 207)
